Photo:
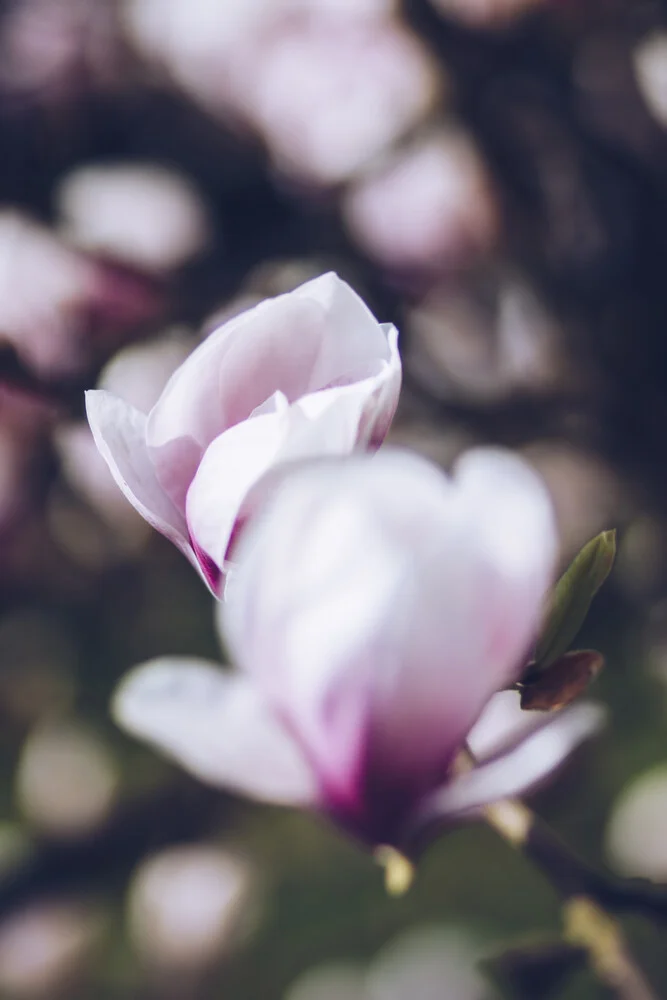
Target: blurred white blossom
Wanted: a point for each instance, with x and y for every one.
(326, 85)
(636, 837)
(650, 63)
(189, 905)
(67, 780)
(427, 963)
(139, 213)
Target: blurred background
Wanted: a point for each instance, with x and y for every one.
(491, 175)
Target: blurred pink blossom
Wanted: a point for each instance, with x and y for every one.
(51, 50)
(305, 374)
(428, 209)
(376, 608)
(46, 949)
(327, 96)
(59, 306)
(327, 85)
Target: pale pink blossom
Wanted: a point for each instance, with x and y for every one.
(53, 52)
(429, 208)
(376, 608)
(308, 373)
(57, 305)
(202, 44)
(328, 96)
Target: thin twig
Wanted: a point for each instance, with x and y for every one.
(586, 921)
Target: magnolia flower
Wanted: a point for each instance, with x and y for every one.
(376, 608)
(308, 373)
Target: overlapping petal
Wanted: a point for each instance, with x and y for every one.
(522, 766)
(119, 432)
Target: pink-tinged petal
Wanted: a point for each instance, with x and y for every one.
(481, 553)
(317, 336)
(217, 726)
(380, 411)
(520, 768)
(352, 344)
(119, 432)
(229, 469)
(304, 625)
(381, 604)
(485, 567)
(227, 488)
(366, 407)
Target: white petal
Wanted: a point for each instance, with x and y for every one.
(502, 724)
(484, 564)
(520, 768)
(230, 467)
(119, 432)
(352, 342)
(217, 726)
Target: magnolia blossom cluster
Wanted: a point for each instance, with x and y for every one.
(327, 85)
(373, 606)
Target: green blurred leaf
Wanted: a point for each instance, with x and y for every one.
(572, 598)
(559, 684)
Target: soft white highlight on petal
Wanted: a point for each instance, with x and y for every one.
(521, 767)
(217, 726)
(381, 604)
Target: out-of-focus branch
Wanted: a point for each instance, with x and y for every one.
(586, 898)
(569, 873)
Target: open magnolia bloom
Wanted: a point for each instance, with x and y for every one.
(376, 608)
(306, 374)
